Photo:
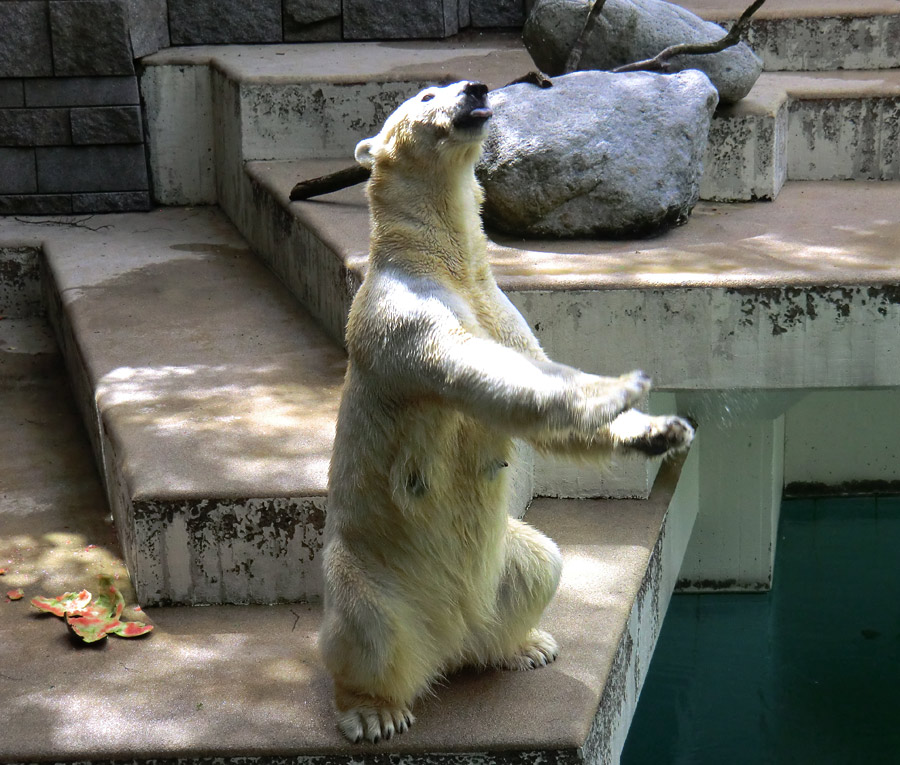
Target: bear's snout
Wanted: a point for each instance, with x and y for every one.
(474, 110)
(476, 89)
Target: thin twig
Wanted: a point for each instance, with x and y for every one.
(71, 222)
(574, 59)
(660, 62)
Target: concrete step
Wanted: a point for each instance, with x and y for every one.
(748, 296)
(27, 349)
(56, 532)
(805, 127)
(209, 396)
(621, 563)
(815, 35)
(213, 108)
(162, 697)
(210, 399)
(20, 281)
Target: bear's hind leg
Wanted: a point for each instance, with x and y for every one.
(377, 658)
(531, 574)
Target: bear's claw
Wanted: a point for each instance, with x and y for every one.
(539, 650)
(373, 724)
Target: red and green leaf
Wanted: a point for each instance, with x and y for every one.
(16, 594)
(93, 618)
(67, 603)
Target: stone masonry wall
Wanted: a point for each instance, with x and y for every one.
(71, 130)
(71, 133)
(199, 22)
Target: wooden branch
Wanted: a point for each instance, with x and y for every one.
(539, 79)
(325, 184)
(660, 62)
(593, 16)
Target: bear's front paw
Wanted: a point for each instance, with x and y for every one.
(538, 650)
(371, 723)
(652, 436)
(608, 397)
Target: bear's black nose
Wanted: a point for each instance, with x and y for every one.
(476, 89)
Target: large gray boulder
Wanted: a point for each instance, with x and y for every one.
(635, 30)
(598, 154)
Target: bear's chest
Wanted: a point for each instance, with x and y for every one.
(477, 312)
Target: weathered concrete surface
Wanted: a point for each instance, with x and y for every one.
(210, 398)
(843, 125)
(273, 102)
(806, 35)
(27, 350)
(290, 101)
(620, 562)
(20, 282)
(740, 281)
(56, 534)
(733, 545)
(843, 442)
(746, 156)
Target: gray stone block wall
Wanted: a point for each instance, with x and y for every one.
(215, 22)
(71, 131)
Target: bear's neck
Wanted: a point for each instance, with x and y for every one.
(422, 222)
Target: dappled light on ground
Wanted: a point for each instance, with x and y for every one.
(56, 533)
(728, 245)
(231, 426)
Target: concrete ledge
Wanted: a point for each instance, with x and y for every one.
(27, 350)
(621, 559)
(805, 35)
(764, 296)
(210, 400)
(746, 157)
(241, 104)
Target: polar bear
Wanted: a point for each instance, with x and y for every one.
(425, 572)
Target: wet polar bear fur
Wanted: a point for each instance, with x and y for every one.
(425, 572)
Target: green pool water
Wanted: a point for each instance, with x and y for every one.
(808, 673)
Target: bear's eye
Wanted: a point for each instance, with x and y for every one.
(428, 96)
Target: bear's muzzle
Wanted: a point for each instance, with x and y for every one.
(474, 110)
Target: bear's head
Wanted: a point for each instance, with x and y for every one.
(438, 123)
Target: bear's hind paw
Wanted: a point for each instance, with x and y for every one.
(373, 724)
(539, 650)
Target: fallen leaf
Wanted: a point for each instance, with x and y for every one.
(69, 602)
(16, 594)
(102, 616)
(2, 571)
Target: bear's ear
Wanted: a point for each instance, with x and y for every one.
(363, 153)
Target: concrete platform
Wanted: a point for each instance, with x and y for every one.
(769, 295)
(209, 395)
(246, 682)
